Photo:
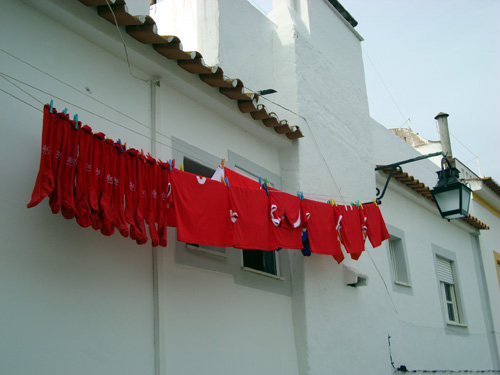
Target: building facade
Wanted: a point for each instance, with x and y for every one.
(75, 301)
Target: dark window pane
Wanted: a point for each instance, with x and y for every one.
(197, 168)
(260, 260)
(451, 312)
(447, 290)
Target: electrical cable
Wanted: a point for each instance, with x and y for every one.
(124, 45)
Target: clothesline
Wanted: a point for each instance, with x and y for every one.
(100, 183)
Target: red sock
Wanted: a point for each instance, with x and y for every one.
(45, 180)
(68, 209)
(152, 199)
(84, 172)
(142, 236)
(59, 160)
(131, 191)
(163, 187)
(118, 198)
(96, 177)
(105, 203)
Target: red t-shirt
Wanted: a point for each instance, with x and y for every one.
(252, 227)
(321, 229)
(287, 219)
(374, 224)
(202, 210)
(351, 231)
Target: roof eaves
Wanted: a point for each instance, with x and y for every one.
(144, 30)
(492, 184)
(423, 190)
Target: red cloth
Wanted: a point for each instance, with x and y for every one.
(202, 210)
(141, 234)
(287, 219)
(252, 227)
(105, 201)
(97, 177)
(351, 231)
(165, 190)
(237, 179)
(375, 224)
(44, 183)
(118, 198)
(61, 132)
(321, 228)
(151, 178)
(68, 209)
(84, 172)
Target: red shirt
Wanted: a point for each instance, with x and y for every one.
(202, 210)
(252, 226)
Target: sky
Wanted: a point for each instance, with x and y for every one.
(423, 57)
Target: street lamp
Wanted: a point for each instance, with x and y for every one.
(451, 196)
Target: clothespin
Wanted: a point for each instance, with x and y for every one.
(125, 146)
(334, 202)
(181, 167)
(375, 202)
(300, 195)
(222, 180)
(51, 105)
(65, 111)
(260, 182)
(227, 181)
(120, 143)
(75, 118)
(223, 160)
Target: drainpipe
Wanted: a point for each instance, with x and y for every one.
(444, 134)
(157, 254)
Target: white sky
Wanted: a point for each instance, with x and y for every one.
(423, 57)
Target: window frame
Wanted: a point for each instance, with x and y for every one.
(397, 235)
(457, 298)
(230, 260)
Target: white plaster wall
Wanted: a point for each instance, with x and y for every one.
(73, 301)
(79, 302)
(489, 241)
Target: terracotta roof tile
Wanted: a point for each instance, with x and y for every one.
(492, 184)
(144, 30)
(425, 191)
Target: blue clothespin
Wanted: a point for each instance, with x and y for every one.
(265, 186)
(227, 181)
(51, 105)
(65, 111)
(260, 182)
(300, 194)
(120, 143)
(75, 118)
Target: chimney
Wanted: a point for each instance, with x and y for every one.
(444, 134)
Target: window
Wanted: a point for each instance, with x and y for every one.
(398, 261)
(497, 263)
(264, 270)
(448, 292)
(448, 288)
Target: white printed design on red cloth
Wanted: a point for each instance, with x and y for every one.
(58, 155)
(116, 181)
(109, 179)
(89, 168)
(131, 186)
(46, 150)
(154, 194)
(276, 221)
(233, 215)
(71, 162)
(98, 172)
(201, 180)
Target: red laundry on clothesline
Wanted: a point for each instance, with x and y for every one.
(91, 177)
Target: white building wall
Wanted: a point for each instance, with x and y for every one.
(79, 302)
(75, 301)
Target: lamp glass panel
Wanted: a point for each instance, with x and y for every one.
(448, 200)
(465, 200)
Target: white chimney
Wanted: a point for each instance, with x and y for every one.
(444, 134)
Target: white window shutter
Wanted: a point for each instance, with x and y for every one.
(444, 270)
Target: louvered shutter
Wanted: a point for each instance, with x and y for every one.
(444, 270)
